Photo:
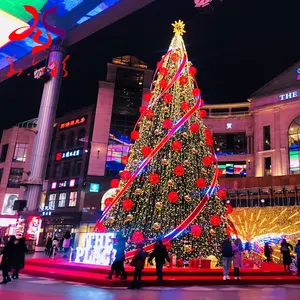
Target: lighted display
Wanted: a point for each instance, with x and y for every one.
(72, 123)
(8, 205)
(94, 187)
(232, 169)
(62, 184)
(294, 146)
(97, 249)
(110, 193)
(34, 224)
(68, 154)
(70, 13)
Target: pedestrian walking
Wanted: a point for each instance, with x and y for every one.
(48, 246)
(297, 250)
(160, 254)
(267, 252)
(67, 243)
(19, 257)
(237, 249)
(7, 257)
(138, 262)
(285, 250)
(227, 257)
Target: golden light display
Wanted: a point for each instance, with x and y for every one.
(178, 27)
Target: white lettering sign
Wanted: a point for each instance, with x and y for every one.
(97, 249)
(229, 125)
(287, 96)
(202, 3)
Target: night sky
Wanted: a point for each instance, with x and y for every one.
(236, 49)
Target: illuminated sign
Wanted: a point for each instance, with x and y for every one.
(287, 96)
(34, 224)
(8, 206)
(298, 73)
(68, 154)
(202, 3)
(62, 184)
(97, 249)
(94, 187)
(229, 126)
(74, 122)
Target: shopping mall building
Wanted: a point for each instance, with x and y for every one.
(257, 143)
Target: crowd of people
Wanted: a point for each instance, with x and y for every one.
(54, 245)
(13, 257)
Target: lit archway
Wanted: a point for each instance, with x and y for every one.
(294, 146)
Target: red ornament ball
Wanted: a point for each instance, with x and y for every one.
(201, 183)
(175, 57)
(173, 197)
(154, 178)
(229, 209)
(183, 80)
(193, 71)
(196, 92)
(207, 161)
(125, 175)
(146, 151)
(163, 71)
(143, 109)
(209, 141)
(179, 170)
(176, 145)
(137, 237)
(147, 97)
(213, 158)
(168, 245)
(163, 83)
(167, 124)
(108, 201)
(168, 98)
(202, 113)
(222, 194)
(127, 204)
(219, 172)
(228, 231)
(134, 135)
(149, 113)
(196, 230)
(215, 220)
(124, 160)
(185, 106)
(201, 102)
(207, 133)
(194, 128)
(101, 228)
(114, 183)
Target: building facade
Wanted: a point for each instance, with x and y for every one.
(16, 149)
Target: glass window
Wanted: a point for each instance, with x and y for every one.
(268, 166)
(57, 171)
(78, 168)
(15, 177)
(3, 152)
(71, 140)
(81, 139)
(52, 198)
(66, 169)
(267, 138)
(20, 152)
(1, 173)
(230, 143)
(294, 146)
(62, 199)
(61, 142)
(73, 199)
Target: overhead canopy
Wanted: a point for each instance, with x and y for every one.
(80, 18)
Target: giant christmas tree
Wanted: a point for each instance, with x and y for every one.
(169, 186)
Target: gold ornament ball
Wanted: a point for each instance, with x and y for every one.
(185, 135)
(170, 182)
(158, 205)
(139, 123)
(166, 109)
(157, 131)
(135, 162)
(195, 151)
(148, 123)
(129, 217)
(187, 248)
(212, 232)
(111, 220)
(156, 226)
(187, 198)
(164, 161)
(138, 191)
(186, 163)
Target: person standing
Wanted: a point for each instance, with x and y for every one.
(54, 248)
(7, 257)
(160, 254)
(286, 249)
(237, 249)
(48, 246)
(67, 243)
(19, 257)
(227, 257)
(138, 262)
(267, 252)
(297, 250)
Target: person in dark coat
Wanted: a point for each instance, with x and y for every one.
(19, 257)
(48, 246)
(297, 251)
(160, 254)
(267, 252)
(227, 253)
(286, 249)
(7, 257)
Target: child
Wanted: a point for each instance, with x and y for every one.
(138, 262)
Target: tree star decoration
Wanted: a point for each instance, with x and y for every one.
(178, 27)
